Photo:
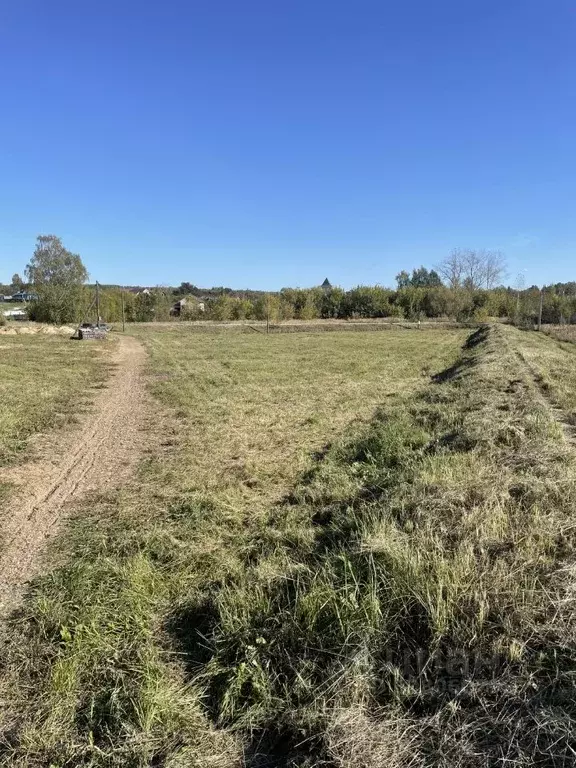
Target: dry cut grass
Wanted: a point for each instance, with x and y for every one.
(253, 408)
(403, 598)
(552, 358)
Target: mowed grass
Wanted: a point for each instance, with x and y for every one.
(44, 381)
(552, 358)
(254, 408)
(400, 597)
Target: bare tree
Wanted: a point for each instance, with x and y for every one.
(494, 268)
(471, 269)
(474, 269)
(452, 268)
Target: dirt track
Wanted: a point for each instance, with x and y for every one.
(100, 454)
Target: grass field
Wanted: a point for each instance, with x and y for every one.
(7, 306)
(44, 381)
(553, 360)
(253, 408)
(355, 550)
(561, 332)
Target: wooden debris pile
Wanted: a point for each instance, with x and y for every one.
(93, 333)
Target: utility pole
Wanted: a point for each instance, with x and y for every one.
(123, 316)
(267, 313)
(540, 309)
(520, 282)
(97, 304)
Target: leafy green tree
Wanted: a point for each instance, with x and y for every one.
(17, 284)
(403, 280)
(422, 278)
(52, 264)
(144, 307)
(368, 301)
(436, 301)
(273, 306)
(412, 302)
(221, 308)
(259, 311)
(191, 311)
(242, 309)
(461, 305)
(300, 303)
(184, 289)
(57, 276)
(329, 302)
(149, 305)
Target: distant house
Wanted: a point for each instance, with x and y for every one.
(191, 302)
(326, 285)
(24, 296)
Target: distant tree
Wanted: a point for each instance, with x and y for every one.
(221, 307)
(423, 278)
(242, 309)
(152, 304)
(218, 290)
(185, 289)
(564, 289)
(494, 269)
(144, 306)
(272, 306)
(52, 264)
(403, 280)
(57, 276)
(297, 298)
(17, 284)
(436, 301)
(473, 270)
(368, 301)
(420, 278)
(411, 300)
(452, 269)
(328, 303)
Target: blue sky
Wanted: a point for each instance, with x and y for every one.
(264, 143)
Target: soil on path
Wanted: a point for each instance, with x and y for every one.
(99, 455)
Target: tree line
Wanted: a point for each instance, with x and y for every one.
(465, 286)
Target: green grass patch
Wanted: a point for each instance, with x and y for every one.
(44, 381)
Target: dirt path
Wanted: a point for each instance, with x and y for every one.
(99, 455)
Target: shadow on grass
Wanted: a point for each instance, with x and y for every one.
(286, 745)
(191, 628)
(463, 363)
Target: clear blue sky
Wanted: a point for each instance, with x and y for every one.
(264, 143)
